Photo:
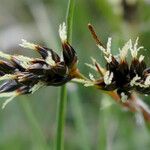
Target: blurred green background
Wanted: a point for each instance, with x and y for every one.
(93, 121)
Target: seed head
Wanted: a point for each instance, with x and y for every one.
(25, 75)
(121, 76)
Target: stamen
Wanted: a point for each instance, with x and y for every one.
(124, 50)
(91, 77)
(133, 81)
(124, 97)
(109, 45)
(10, 95)
(134, 49)
(147, 81)
(108, 77)
(63, 32)
(141, 58)
(107, 51)
(6, 56)
(36, 87)
(24, 61)
(91, 66)
(26, 44)
(7, 77)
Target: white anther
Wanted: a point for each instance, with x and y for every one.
(63, 32)
(124, 50)
(108, 77)
(26, 44)
(124, 97)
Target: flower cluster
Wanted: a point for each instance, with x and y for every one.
(119, 75)
(24, 75)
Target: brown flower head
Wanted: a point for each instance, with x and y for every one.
(119, 75)
(24, 75)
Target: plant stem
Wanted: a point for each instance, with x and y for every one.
(61, 118)
(69, 19)
(62, 103)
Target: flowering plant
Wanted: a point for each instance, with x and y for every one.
(24, 75)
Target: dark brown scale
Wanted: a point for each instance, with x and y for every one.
(17, 64)
(55, 56)
(2, 73)
(60, 69)
(9, 86)
(112, 65)
(69, 54)
(146, 72)
(38, 60)
(122, 74)
(6, 67)
(37, 69)
(28, 79)
(24, 90)
(137, 68)
(143, 90)
(44, 53)
(110, 87)
(58, 81)
(103, 86)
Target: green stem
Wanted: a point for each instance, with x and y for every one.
(61, 118)
(69, 19)
(62, 103)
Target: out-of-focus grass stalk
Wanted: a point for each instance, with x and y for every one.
(63, 92)
(36, 130)
(76, 107)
